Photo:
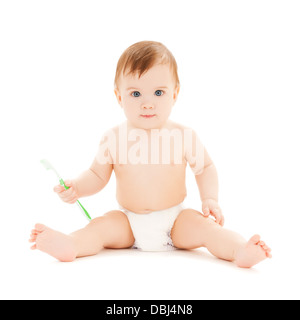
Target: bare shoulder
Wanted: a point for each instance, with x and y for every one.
(116, 128)
(112, 132)
(175, 125)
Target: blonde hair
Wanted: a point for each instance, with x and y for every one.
(142, 56)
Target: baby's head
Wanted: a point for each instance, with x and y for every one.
(147, 84)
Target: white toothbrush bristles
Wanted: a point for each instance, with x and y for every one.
(48, 166)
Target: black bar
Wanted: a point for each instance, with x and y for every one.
(154, 309)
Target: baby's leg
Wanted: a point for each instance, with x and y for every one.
(192, 230)
(109, 231)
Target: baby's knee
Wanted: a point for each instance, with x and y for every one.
(110, 220)
(190, 217)
(195, 218)
(111, 215)
(97, 223)
(187, 228)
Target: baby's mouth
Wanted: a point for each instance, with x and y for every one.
(147, 116)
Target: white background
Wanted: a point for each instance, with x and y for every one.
(239, 71)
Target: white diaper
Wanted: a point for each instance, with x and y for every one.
(152, 231)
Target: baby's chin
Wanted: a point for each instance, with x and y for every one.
(148, 124)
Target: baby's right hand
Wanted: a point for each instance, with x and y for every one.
(70, 195)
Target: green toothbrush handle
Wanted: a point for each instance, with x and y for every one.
(85, 212)
(61, 181)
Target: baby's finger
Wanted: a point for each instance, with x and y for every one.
(67, 195)
(68, 183)
(71, 199)
(68, 192)
(222, 220)
(58, 189)
(217, 215)
(206, 212)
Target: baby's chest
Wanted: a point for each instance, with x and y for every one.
(165, 149)
(158, 172)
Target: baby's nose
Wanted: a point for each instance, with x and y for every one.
(147, 105)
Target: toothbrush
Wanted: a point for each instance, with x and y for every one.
(48, 166)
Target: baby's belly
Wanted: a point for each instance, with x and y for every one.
(147, 188)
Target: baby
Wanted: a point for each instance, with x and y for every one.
(149, 154)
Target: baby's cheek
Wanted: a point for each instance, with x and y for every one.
(131, 109)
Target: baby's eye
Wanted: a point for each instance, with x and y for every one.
(135, 94)
(159, 93)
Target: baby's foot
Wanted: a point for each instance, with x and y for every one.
(57, 244)
(254, 252)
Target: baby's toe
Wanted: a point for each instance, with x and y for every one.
(267, 250)
(255, 239)
(33, 236)
(40, 227)
(265, 247)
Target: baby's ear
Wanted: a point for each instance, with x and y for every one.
(176, 93)
(118, 96)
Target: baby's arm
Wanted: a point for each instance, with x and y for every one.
(208, 187)
(206, 178)
(92, 180)
(88, 183)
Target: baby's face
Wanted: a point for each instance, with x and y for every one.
(147, 101)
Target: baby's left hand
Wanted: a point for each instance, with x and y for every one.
(211, 207)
